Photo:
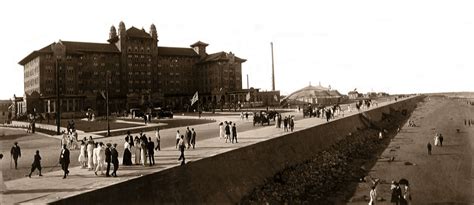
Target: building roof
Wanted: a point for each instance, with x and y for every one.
(313, 92)
(221, 56)
(135, 32)
(176, 51)
(73, 47)
(199, 43)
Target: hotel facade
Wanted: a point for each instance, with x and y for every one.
(136, 72)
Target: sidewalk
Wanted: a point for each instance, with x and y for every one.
(51, 187)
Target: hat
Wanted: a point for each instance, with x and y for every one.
(108, 144)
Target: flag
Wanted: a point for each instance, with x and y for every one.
(247, 97)
(195, 98)
(275, 97)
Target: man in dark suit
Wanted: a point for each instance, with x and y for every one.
(15, 153)
(151, 151)
(108, 159)
(64, 160)
(115, 160)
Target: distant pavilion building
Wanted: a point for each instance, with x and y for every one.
(314, 95)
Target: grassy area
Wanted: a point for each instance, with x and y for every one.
(97, 125)
(170, 123)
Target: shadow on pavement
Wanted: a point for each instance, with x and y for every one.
(31, 191)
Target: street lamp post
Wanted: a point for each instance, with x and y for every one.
(58, 104)
(107, 101)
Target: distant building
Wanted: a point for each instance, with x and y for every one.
(354, 95)
(5, 110)
(382, 94)
(141, 74)
(315, 95)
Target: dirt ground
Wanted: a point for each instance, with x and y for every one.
(445, 177)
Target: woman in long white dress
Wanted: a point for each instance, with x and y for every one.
(100, 152)
(95, 155)
(137, 149)
(436, 140)
(82, 155)
(221, 130)
(90, 154)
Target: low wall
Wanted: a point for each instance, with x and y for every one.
(227, 177)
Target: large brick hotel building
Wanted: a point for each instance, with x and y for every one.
(141, 74)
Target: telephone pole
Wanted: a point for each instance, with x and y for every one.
(107, 101)
(273, 70)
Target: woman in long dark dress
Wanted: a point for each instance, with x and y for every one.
(127, 154)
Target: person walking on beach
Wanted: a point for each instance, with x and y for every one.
(429, 148)
(373, 195)
(436, 140)
(396, 193)
(441, 139)
(64, 160)
(36, 164)
(15, 152)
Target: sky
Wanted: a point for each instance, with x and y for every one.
(403, 46)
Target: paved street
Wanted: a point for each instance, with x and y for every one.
(25, 190)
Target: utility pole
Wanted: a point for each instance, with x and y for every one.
(273, 70)
(58, 104)
(107, 101)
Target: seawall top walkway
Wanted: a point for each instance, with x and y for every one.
(51, 187)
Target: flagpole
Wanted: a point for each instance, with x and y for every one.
(107, 101)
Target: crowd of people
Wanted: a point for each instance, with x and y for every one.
(96, 156)
(288, 122)
(400, 192)
(228, 131)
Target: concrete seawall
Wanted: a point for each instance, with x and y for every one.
(227, 177)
